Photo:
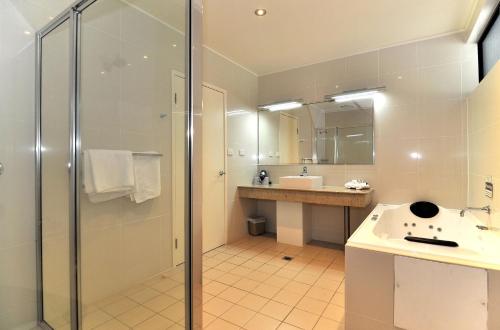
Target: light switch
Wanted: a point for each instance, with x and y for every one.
(242, 152)
(230, 152)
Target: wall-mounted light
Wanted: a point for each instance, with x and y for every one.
(280, 106)
(361, 94)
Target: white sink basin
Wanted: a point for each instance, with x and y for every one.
(301, 182)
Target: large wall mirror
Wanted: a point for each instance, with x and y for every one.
(318, 133)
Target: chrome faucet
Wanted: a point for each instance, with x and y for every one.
(304, 171)
(486, 209)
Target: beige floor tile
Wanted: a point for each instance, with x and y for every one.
(177, 292)
(238, 315)
(156, 322)
(276, 310)
(228, 279)
(290, 274)
(266, 290)
(94, 319)
(164, 285)
(174, 312)
(252, 264)
(177, 327)
(120, 306)
(241, 271)
(302, 319)
(277, 281)
(144, 295)
(341, 288)
(208, 318)
(135, 316)
(157, 304)
(319, 293)
(217, 306)
(287, 297)
(220, 324)
(334, 313)
(113, 324)
(306, 278)
(312, 305)
(286, 326)
(225, 267)
(338, 299)
(261, 322)
(246, 284)
(297, 287)
(211, 262)
(326, 324)
(270, 269)
(253, 302)
(223, 256)
(206, 297)
(327, 284)
(213, 274)
(233, 294)
(237, 260)
(257, 275)
(215, 287)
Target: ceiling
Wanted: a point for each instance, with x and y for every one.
(295, 33)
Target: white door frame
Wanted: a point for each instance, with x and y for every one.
(179, 74)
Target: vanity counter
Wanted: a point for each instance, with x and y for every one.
(326, 195)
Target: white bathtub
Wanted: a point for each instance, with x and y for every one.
(386, 227)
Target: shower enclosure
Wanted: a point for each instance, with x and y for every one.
(104, 81)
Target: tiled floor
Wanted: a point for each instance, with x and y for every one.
(156, 304)
(247, 285)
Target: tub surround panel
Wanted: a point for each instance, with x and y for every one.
(369, 286)
(493, 299)
(420, 121)
(484, 134)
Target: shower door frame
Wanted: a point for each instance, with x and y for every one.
(193, 55)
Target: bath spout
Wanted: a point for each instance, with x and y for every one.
(486, 209)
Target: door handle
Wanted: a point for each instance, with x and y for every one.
(222, 172)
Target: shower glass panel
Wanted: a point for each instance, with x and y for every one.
(55, 188)
(129, 54)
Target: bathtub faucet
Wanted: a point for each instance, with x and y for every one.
(486, 209)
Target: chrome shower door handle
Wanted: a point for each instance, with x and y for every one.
(221, 172)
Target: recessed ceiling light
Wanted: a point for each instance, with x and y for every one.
(27, 32)
(145, 57)
(260, 12)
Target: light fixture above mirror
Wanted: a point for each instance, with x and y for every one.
(360, 94)
(282, 105)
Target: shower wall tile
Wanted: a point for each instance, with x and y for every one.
(420, 122)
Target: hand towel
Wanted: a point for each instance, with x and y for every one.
(108, 174)
(147, 177)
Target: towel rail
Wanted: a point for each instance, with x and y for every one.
(145, 154)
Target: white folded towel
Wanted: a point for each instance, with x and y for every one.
(147, 177)
(357, 184)
(108, 174)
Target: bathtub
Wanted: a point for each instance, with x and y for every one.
(392, 283)
(386, 227)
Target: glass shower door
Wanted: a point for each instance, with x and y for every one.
(129, 54)
(55, 130)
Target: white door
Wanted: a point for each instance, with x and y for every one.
(288, 139)
(214, 196)
(178, 167)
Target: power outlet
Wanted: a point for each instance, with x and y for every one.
(488, 187)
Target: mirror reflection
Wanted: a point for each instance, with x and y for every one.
(326, 132)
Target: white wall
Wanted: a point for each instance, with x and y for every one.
(483, 136)
(422, 114)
